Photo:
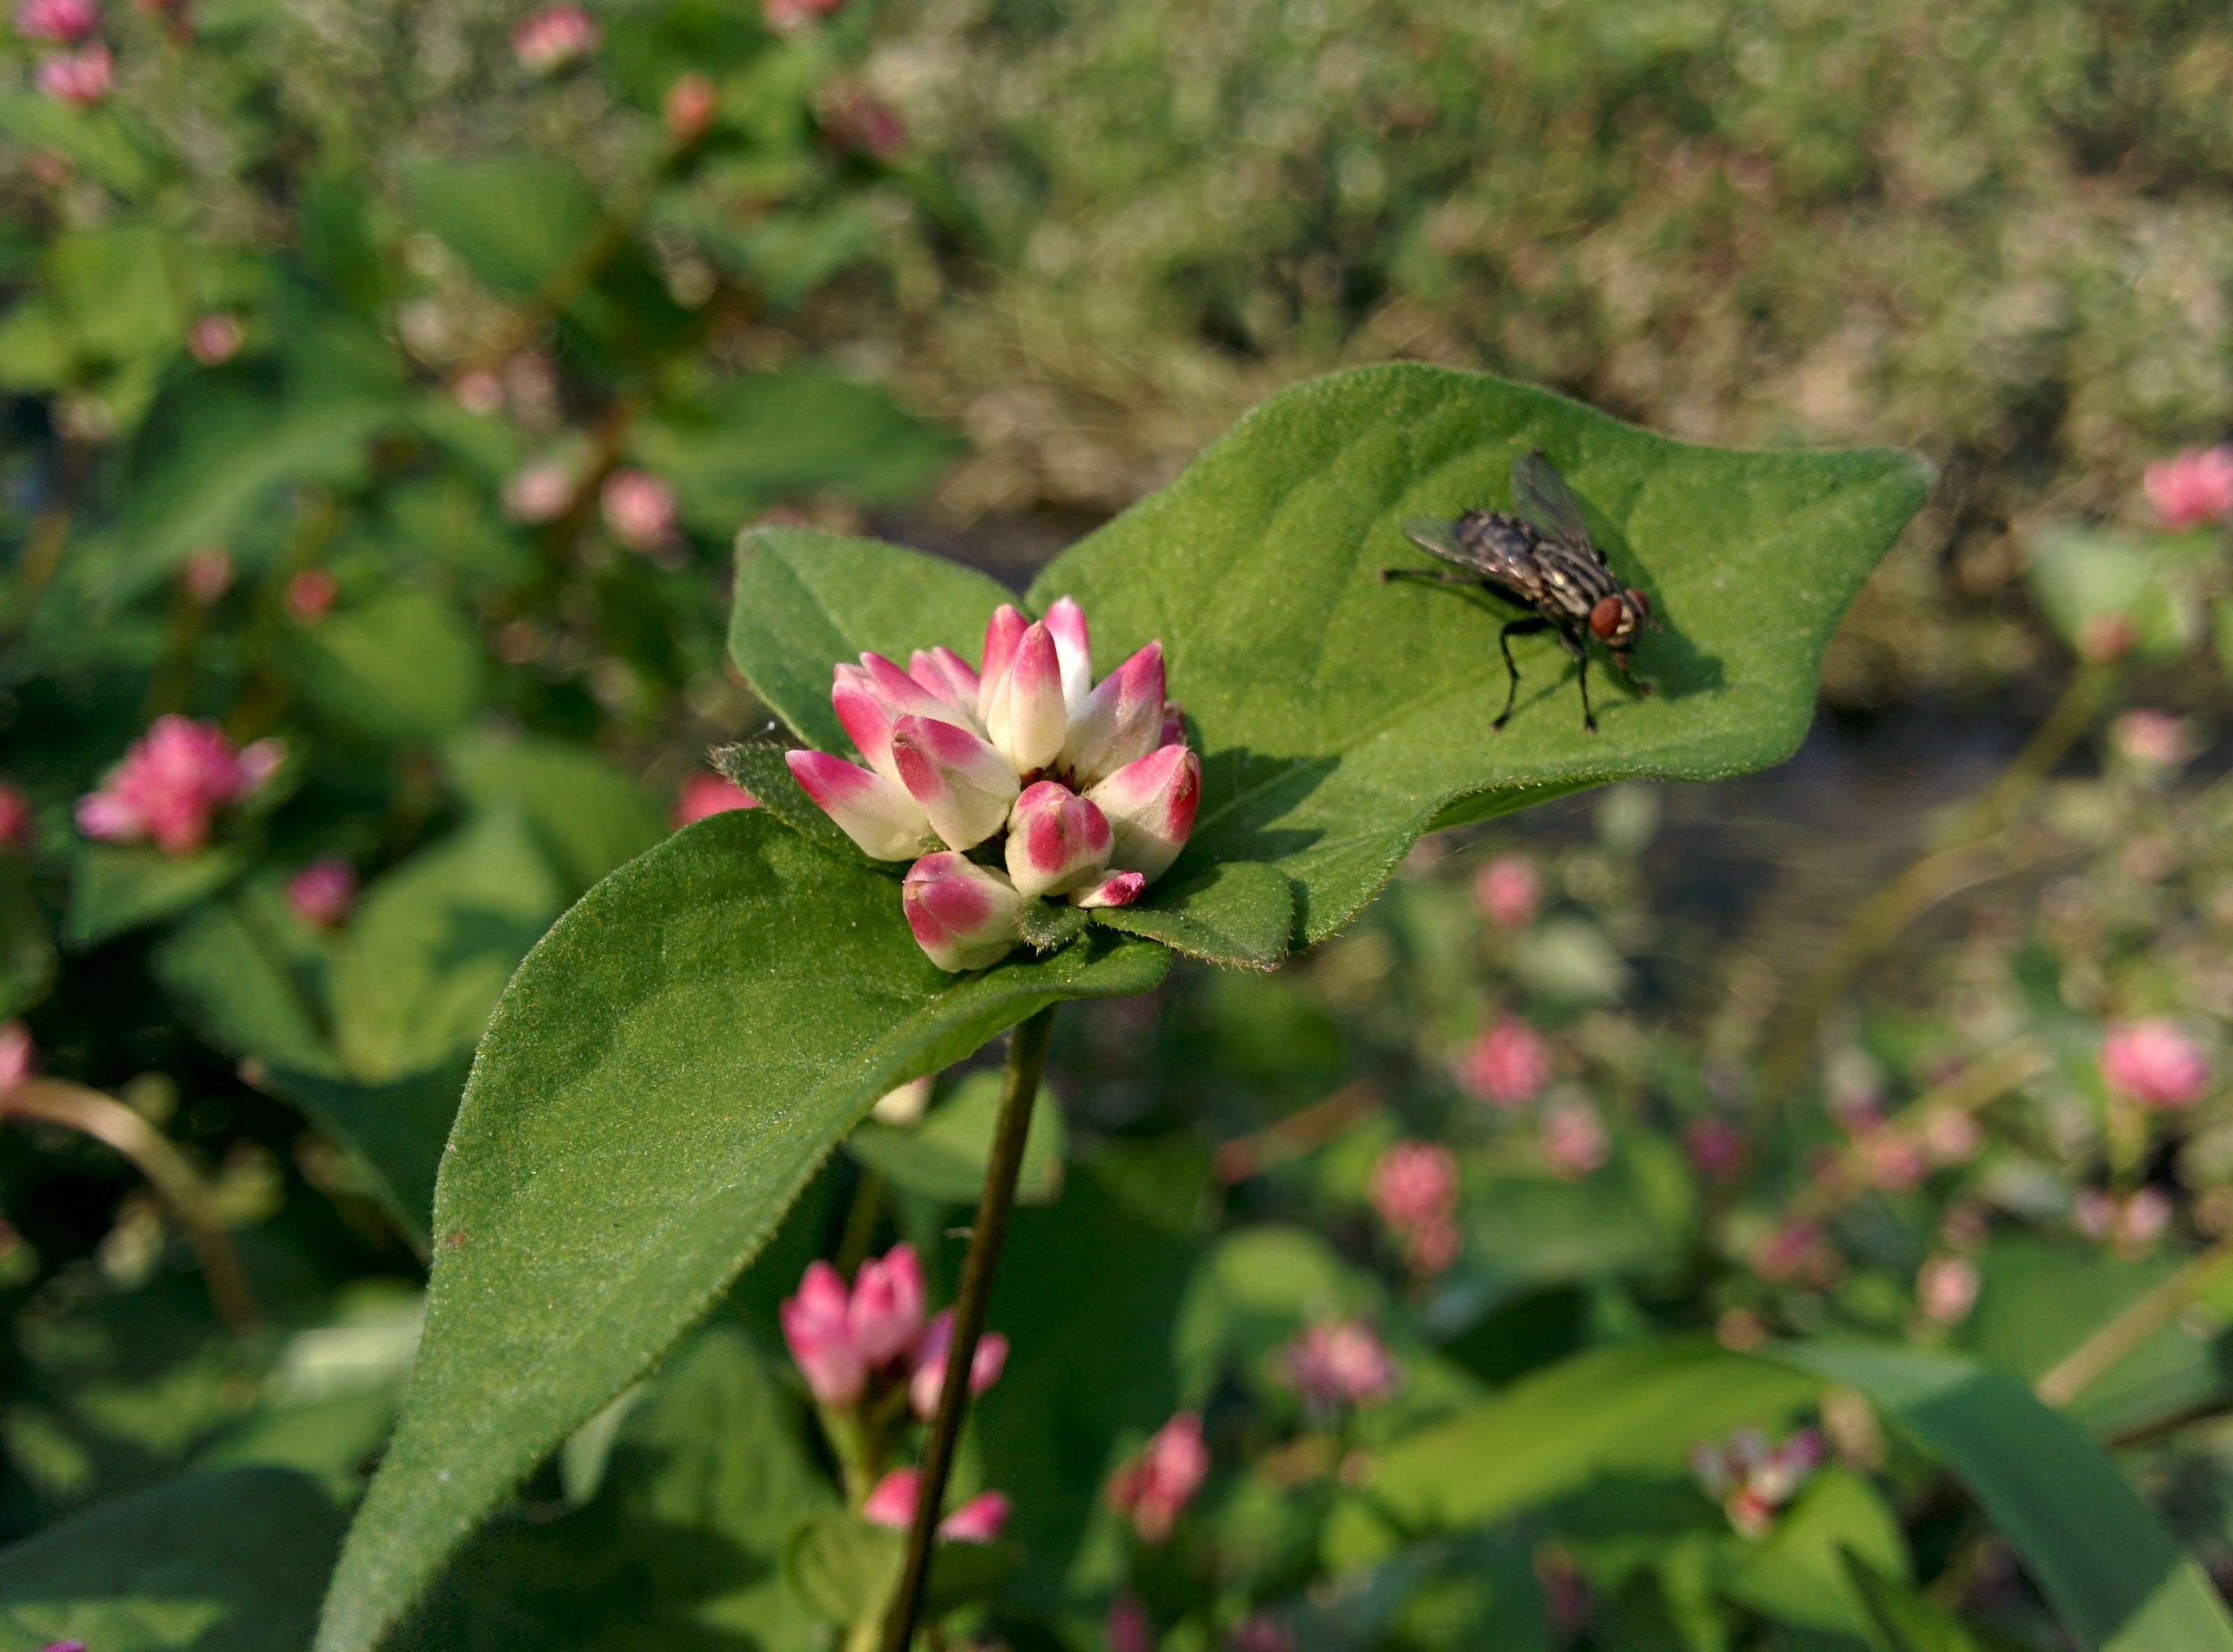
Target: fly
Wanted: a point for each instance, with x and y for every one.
(1542, 559)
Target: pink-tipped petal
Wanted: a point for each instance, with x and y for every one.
(1150, 805)
(963, 915)
(961, 782)
(892, 1502)
(1002, 632)
(1037, 718)
(875, 813)
(1121, 721)
(979, 1520)
(947, 675)
(1173, 724)
(1120, 889)
(905, 696)
(1058, 840)
(1073, 647)
(817, 1325)
(928, 1376)
(866, 718)
(887, 1308)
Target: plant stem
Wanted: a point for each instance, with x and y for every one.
(2109, 1347)
(52, 1101)
(1028, 1053)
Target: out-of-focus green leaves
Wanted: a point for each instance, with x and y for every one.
(400, 666)
(1798, 1576)
(587, 814)
(115, 887)
(942, 1155)
(2106, 595)
(27, 950)
(514, 220)
(1631, 1217)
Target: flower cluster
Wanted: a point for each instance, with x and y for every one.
(1751, 1479)
(1338, 1364)
(845, 1341)
(172, 782)
(1415, 1188)
(1082, 791)
(1508, 1064)
(1152, 1489)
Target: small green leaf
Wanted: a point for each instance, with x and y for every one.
(761, 771)
(513, 220)
(115, 888)
(399, 666)
(587, 814)
(1235, 913)
(216, 1563)
(1908, 1621)
(1337, 715)
(943, 1155)
(662, 1076)
(2083, 579)
(849, 1567)
(2115, 1577)
(1045, 925)
(806, 601)
(396, 1128)
(27, 950)
(1798, 1575)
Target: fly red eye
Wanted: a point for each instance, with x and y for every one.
(1606, 617)
(1639, 602)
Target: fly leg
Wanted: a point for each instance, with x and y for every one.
(1526, 627)
(1575, 646)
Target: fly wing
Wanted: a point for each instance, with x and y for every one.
(1439, 535)
(1539, 494)
(1498, 548)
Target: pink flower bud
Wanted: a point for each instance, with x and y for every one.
(704, 794)
(691, 104)
(1150, 805)
(1174, 725)
(1508, 1065)
(1118, 721)
(310, 595)
(963, 915)
(930, 1374)
(2105, 637)
(480, 392)
(1154, 1486)
(83, 77)
(17, 827)
(1716, 1146)
(1413, 1184)
(947, 675)
(871, 696)
(1073, 650)
(322, 893)
(2196, 486)
(1261, 1632)
(1002, 632)
(1433, 1245)
(1893, 1161)
(887, 1306)
(817, 1327)
(639, 508)
(63, 21)
(208, 573)
(1058, 840)
(1509, 891)
(1029, 720)
(1946, 1289)
(554, 37)
(1129, 1628)
(875, 813)
(891, 1502)
(171, 783)
(541, 492)
(979, 1520)
(784, 16)
(1118, 889)
(1338, 1364)
(858, 122)
(2154, 1063)
(2153, 739)
(16, 1054)
(961, 782)
(1789, 1251)
(214, 339)
(1952, 1135)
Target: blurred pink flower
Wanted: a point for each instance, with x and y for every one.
(1129, 1628)
(2154, 1063)
(2153, 739)
(170, 784)
(554, 37)
(1893, 1162)
(1432, 1247)
(892, 1503)
(322, 893)
(886, 1311)
(310, 595)
(2132, 1224)
(214, 339)
(480, 392)
(82, 77)
(857, 122)
(1261, 1632)
(2193, 487)
(1508, 1065)
(1339, 1363)
(2105, 637)
(704, 794)
(1509, 891)
(16, 1052)
(208, 573)
(1750, 1480)
(1716, 1146)
(60, 21)
(1946, 1289)
(691, 103)
(928, 1376)
(1161, 1480)
(1787, 1253)
(792, 13)
(639, 508)
(538, 492)
(1414, 1183)
(1574, 1139)
(17, 827)
(1952, 1135)
(818, 1328)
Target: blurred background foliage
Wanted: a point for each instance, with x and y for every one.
(389, 382)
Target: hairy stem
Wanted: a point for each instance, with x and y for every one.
(1028, 1053)
(52, 1101)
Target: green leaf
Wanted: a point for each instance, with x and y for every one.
(2082, 579)
(1337, 715)
(1632, 1216)
(114, 889)
(587, 814)
(776, 436)
(27, 950)
(1235, 913)
(513, 221)
(662, 1076)
(2115, 1577)
(761, 771)
(943, 1155)
(396, 1128)
(1798, 1575)
(399, 666)
(1622, 1409)
(1908, 1622)
(806, 601)
(217, 1563)
(848, 1568)
(1045, 925)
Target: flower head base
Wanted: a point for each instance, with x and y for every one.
(1752, 1480)
(1154, 1487)
(1081, 791)
(173, 780)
